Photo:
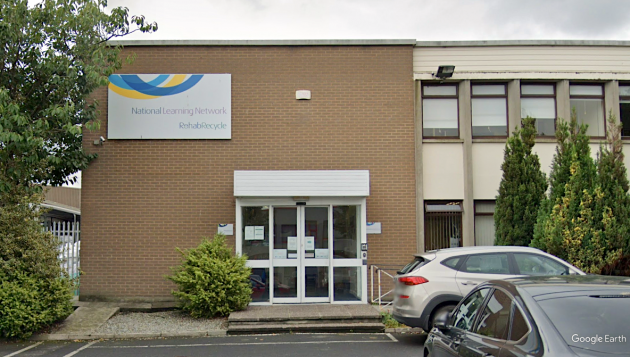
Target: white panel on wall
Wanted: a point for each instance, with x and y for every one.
(523, 58)
(443, 171)
(545, 153)
(310, 183)
(486, 169)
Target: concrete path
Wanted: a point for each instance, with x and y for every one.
(86, 319)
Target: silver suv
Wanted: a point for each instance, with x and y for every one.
(435, 281)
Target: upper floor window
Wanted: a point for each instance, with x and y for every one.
(624, 109)
(440, 111)
(489, 110)
(588, 102)
(538, 101)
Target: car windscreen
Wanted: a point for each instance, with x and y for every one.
(593, 322)
(416, 263)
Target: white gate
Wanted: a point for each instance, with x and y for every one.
(69, 246)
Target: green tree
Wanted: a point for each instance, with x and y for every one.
(614, 207)
(54, 56)
(572, 147)
(522, 188)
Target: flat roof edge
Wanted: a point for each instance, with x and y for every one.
(522, 43)
(391, 42)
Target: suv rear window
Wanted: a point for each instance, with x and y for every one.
(415, 264)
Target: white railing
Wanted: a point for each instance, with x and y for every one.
(69, 245)
(377, 272)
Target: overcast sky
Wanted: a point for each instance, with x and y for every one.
(424, 20)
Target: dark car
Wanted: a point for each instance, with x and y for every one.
(586, 315)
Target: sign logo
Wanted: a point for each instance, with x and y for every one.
(169, 106)
(132, 86)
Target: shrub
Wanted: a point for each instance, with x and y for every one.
(29, 303)
(212, 281)
(34, 290)
(522, 188)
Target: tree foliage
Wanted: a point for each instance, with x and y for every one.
(34, 290)
(54, 56)
(589, 219)
(522, 188)
(572, 147)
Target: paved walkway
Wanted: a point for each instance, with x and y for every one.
(304, 312)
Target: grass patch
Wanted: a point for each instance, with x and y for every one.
(389, 321)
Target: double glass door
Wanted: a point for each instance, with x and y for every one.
(301, 254)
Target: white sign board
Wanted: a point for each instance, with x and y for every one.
(279, 254)
(259, 232)
(226, 229)
(169, 106)
(292, 243)
(309, 243)
(373, 228)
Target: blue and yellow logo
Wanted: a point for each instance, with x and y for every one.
(132, 86)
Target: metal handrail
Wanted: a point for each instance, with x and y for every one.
(378, 271)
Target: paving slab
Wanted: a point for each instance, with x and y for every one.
(86, 319)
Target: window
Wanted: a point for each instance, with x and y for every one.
(495, 320)
(489, 110)
(624, 109)
(538, 101)
(534, 264)
(487, 264)
(442, 225)
(464, 317)
(484, 222)
(452, 262)
(588, 102)
(440, 111)
(519, 325)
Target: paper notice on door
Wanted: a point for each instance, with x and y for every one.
(321, 253)
(279, 254)
(292, 255)
(309, 243)
(292, 243)
(249, 232)
(259, 232)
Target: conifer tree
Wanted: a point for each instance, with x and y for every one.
(522, 188)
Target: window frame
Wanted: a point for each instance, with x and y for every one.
(543, 96)
(583, 96)
(455, 214)
(490, 96)
(440, 97)
(475, 214)
(624, 98)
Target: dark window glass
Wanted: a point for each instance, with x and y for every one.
(624, 109)
(415, 264)
(487, 264)
(442, 225)
(452, 262)
(534, 264)
(519, 326)
(580, 318)
(494, 321)
(464, 316)
(255, 247)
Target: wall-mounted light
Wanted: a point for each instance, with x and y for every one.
(445, 71)
(99, 141)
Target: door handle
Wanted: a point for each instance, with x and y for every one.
(469, 283)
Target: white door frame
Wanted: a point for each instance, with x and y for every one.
(332, 263)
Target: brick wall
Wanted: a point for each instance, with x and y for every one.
(143, 198)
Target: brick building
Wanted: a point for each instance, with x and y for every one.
(298, 180)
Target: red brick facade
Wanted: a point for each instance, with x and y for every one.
(143, 198)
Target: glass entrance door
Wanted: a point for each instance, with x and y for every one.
(301, 254)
